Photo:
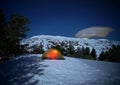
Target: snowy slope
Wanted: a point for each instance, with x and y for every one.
(45, 40)
(30, 70)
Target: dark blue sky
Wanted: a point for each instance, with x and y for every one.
(66, 17)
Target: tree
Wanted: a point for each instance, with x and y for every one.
(114, 53)
(70, 50)
(16, 31)
(17, 26)
(87, 51)
(78, 52)
(11, 33)
(83, 51)
(38, 49)
(2, 34)
(102, 56)
(111, 55)
(93, 54)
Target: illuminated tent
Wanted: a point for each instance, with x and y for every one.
(52, 54)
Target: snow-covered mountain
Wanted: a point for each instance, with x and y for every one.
(47, 40)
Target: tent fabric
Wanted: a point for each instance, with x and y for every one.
(52, 54)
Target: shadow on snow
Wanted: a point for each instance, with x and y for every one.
(21, 71)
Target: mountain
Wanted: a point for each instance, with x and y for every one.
(47, 41)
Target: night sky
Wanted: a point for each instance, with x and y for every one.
(66, 17)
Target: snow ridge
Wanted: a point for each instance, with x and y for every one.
(98, 44)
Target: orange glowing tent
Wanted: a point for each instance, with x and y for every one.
(52, 54)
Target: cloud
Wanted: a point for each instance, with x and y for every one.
(94, 32)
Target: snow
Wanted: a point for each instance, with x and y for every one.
(98, 44)
(30, 70)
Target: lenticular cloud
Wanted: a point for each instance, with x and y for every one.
(94, 32)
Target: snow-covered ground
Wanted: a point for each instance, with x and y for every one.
(30, 70)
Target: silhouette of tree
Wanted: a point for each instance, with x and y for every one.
(12, 32)
(93, 54)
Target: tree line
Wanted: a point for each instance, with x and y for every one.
(12, 31)
(113, 54)
(67, 49)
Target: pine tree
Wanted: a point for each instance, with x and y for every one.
(11, 33)
(102, 56)
(93, 54)
(87, 51)
(78, 52)
(71, 49)
(111, 55)
(83, 51)
(3, 40)
(38, 49)
(114, 53)
(16, 31)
